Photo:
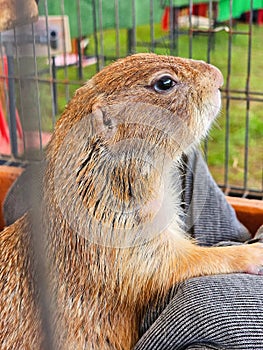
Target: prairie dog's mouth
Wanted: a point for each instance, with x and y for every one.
(216, 103)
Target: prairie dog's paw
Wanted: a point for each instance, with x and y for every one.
(254, 259)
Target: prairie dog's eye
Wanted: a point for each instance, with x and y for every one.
(164, 84)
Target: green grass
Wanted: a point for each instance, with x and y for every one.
(237, 109)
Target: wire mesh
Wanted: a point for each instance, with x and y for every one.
(42, 65)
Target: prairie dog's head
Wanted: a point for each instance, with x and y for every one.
(179, 97)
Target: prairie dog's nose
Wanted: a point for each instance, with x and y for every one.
(212, 74)
(218, 76)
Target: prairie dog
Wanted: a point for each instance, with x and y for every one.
(110, 211)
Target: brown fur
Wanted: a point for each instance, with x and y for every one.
(108, 165)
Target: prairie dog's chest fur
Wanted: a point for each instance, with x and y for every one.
(125, 193)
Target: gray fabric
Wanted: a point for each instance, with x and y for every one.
(224, 311)
(19, 197)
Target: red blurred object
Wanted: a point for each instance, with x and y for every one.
(4, 130)
(259, 17)
(200, 10)
(3, 126)
(165, 19)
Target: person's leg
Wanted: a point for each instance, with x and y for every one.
(212, 312)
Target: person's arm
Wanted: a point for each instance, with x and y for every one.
(209, 217)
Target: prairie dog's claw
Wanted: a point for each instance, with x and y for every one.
(256, 266)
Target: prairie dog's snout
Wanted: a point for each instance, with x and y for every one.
(219, 79)
(211, 81)
(210, 73)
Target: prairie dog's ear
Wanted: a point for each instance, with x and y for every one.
(102, 122)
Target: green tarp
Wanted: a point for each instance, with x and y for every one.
(123, 17)
(238, 7)
(124, 14)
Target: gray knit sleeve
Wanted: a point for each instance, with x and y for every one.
(208, 216)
